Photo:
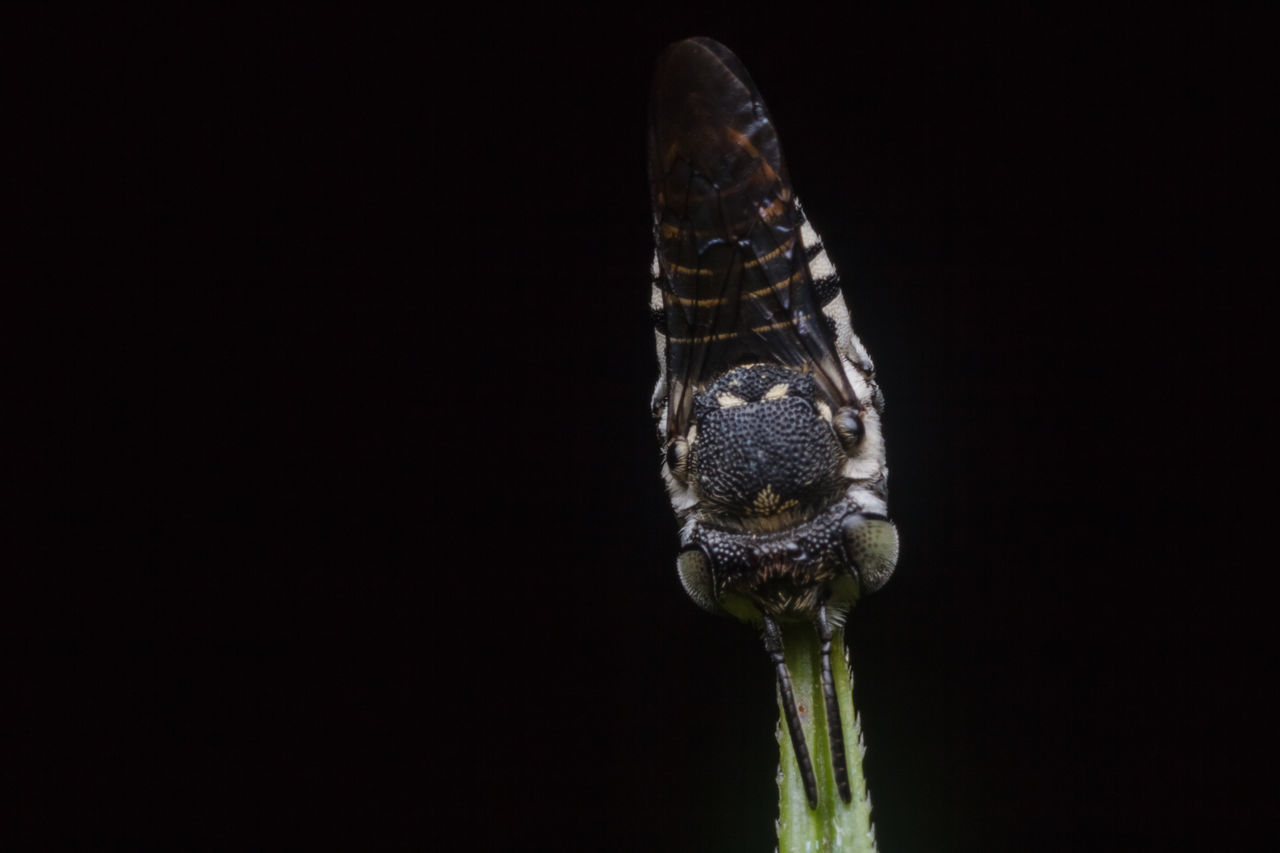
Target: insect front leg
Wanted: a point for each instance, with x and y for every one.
(835, 731)
(773, 645)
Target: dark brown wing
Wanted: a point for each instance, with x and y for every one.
(732, 266)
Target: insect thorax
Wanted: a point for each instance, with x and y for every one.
(762, 452)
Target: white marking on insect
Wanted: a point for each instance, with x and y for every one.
(808, 235)
(821, 266)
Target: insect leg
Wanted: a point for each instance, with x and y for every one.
(773, 645)
(835, 731)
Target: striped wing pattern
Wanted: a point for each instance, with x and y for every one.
(734, 255)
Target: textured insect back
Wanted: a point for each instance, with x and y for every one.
(767, 406)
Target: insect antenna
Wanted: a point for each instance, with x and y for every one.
(773, 645)
(835, 731)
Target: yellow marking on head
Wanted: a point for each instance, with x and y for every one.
(769, 502)
(728, 400)
(825, 411)
(777, 392)
(693, 433)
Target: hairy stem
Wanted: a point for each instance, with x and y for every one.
(833, 825)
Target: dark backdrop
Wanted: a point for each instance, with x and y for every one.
(424, 578)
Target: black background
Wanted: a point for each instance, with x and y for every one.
(422, 578)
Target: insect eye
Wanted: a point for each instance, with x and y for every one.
(872, 546)
(678, 458)
(696, 577)
(848, 427)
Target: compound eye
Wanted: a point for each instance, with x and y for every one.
(872, 546)
(696, 578)
(848, 427)
(678, 458)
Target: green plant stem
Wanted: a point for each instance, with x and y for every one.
(834, 825)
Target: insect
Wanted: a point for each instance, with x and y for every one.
(767, 407)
